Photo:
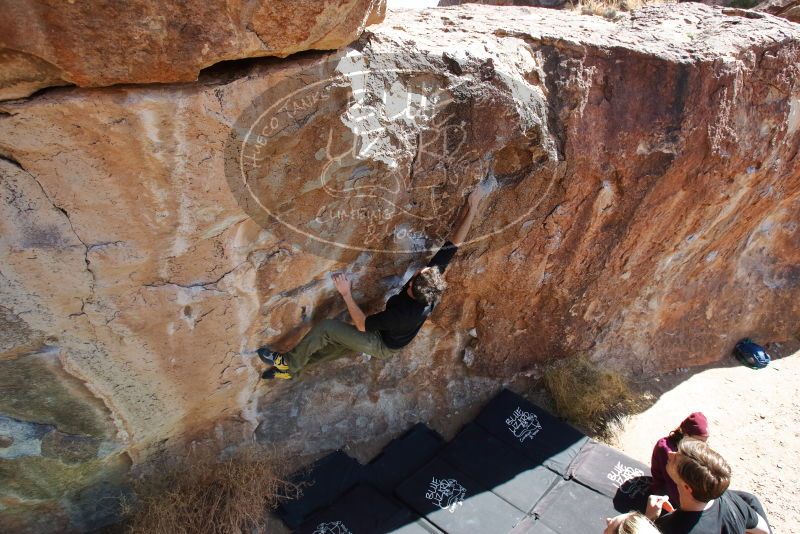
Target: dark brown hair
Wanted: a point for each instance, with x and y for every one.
(428, 286)
(705, 472)
(675, 437)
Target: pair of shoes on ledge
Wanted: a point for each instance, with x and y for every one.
(279, 368)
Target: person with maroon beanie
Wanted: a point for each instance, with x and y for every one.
(696, 427)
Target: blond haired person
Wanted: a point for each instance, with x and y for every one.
(630, 523)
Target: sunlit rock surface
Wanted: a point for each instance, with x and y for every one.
(99, 43)
(788, 9)
(646, 187)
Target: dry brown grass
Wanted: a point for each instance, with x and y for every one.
(202, 493)
(610, 9)
(588, 396)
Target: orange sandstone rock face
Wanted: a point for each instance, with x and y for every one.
(646, 186)
(99, 43)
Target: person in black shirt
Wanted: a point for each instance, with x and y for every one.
(383, 334)
(706, 504)
(733, 512)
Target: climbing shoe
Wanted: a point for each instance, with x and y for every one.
(275, 373)
(270, 357)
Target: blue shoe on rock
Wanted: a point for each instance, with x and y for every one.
(272, 358)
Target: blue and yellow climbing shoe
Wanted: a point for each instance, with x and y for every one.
(275, 359)
(275, 374)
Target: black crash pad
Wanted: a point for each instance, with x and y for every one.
(614, 474)
(363, 510)
(455, 503)
(326, 480)
(401, 524)
(402, 458)
(532, 430)
(499, 468)
(573, 508)
(531, 525)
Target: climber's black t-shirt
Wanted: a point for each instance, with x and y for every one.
(404, 316)
(729, 514)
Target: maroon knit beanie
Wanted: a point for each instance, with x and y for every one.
(695, 425)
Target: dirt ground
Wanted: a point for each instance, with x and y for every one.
(754, 420)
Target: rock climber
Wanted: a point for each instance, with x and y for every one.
(383, 334)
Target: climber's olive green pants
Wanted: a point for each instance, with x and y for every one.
(333, 339)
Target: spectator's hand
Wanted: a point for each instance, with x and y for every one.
(654, 505)
(342, 283)
(613, 523)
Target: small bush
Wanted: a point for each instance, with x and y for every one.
(611, 9)
(587, 396)
(202, 493)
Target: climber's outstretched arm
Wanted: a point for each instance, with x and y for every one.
(465, 217)
(342, 283)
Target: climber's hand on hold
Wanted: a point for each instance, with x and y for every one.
(342, 283)
(476, 196)
(466, 215)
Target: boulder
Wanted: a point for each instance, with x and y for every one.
(788, 9)
(645, 186)
(98, 43)
(516, 3)
(741, 4)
